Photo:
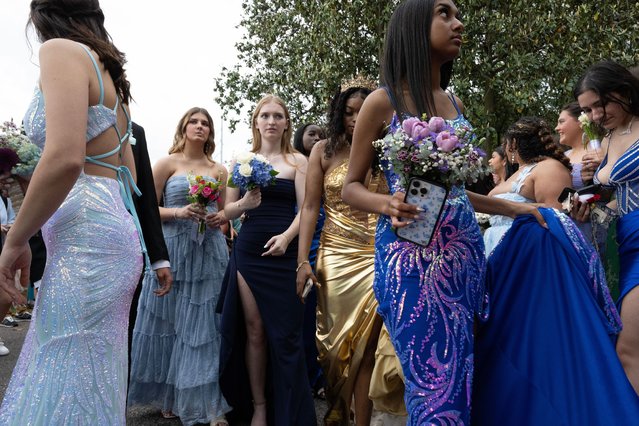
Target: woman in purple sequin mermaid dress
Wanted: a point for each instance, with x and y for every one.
(428, 296)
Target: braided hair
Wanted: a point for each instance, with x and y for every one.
(534, 140)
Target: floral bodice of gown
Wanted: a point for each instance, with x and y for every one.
(624, 177)
(513, 195)
(341, 219)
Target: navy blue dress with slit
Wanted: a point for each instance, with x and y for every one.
(272, 282)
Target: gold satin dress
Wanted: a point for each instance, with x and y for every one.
(346, 304)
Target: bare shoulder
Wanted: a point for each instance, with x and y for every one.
(298, 158)
(377, 109)
(550, 169)
(167, 163)
(460, 104)
(319, 147)
(60, 46)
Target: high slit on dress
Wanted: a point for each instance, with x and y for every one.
(271, 280)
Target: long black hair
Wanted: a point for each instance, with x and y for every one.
(336, 131)
(612, 82)
(81, 21)
(407, 57)
(298, 138)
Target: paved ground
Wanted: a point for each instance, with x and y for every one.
(139, 416)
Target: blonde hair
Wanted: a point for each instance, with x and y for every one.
(285, 144)
(179, 140)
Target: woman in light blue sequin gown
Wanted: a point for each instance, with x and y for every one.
(176, 339)
(73, 365)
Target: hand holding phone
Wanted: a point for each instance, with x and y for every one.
(430, 198)
(307, 287)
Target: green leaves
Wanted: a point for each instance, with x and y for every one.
(518, 57)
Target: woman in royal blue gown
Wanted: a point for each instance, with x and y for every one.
(545, 355)
(428, 296)
(609, 94)
(262, 317)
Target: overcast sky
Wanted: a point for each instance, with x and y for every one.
(174, 52)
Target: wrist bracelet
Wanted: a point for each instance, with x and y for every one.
(299, 265)
(288, 241)
(175, 214)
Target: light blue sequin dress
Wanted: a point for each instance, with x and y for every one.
(176, 339)
(73, 364)
(428, 298)
(499, 224)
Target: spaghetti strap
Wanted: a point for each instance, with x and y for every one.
(97, 71)
(452, 99)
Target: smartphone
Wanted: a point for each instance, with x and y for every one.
(307, 288)
(430, 197)
(586, 193)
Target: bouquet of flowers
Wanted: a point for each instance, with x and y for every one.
(434, 150)
(251, 171)
(18, 155)
(202, 192)
(591, 132)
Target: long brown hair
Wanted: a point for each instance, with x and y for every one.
(81, 21)
(285, 143)
(179, 140)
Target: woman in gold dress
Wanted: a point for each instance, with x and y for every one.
(348, 327)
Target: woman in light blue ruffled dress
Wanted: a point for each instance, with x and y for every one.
(176, 340)
(73, 364)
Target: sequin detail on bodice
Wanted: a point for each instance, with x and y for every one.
(341, 219)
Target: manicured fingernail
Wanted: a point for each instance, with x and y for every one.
(419, 209)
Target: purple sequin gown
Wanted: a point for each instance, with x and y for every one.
(428, 297)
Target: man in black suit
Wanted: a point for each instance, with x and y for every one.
(146, 206)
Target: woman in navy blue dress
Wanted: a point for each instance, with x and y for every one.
(262, 317)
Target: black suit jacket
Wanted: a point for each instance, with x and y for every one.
(146, 205)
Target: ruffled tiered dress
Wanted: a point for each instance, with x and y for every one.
(176, 340)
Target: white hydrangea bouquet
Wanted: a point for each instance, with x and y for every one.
(251, 170)
(434, 150)
(18, 155)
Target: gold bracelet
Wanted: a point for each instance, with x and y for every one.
(288, 241)
(299, 265)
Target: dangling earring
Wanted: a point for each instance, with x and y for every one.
(512, 157)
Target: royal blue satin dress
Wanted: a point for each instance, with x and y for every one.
(272, 283)
(428, 298)
(545, 355)
(624, 177)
